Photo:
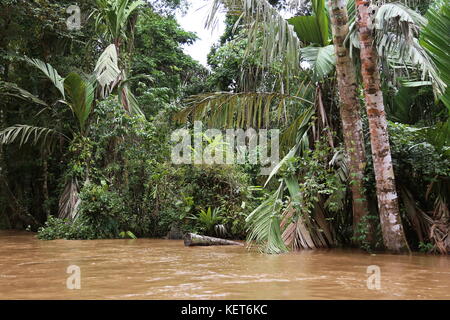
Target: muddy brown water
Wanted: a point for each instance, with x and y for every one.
(165, 269)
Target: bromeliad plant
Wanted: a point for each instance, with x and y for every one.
(209, 222)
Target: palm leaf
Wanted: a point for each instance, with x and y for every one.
(243, 109)
(435, 38)
(304, 231)
(351, 11)
(11, 89)
(113, 15)
(321, 59)
(50, 72)
(399, 16)
(132, 8)
(313, 29)
(80, 93)
(301, 233)
(264, 225)
(128, 99)
(267, 32)
(298, 129)
(69, 200)
(415, 215)
(296, 132)
(409, 54)
(397, 29)
(24, 134)
(339, 163)
(107, 70)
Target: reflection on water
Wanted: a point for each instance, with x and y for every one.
(164, 269)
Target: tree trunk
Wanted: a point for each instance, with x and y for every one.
(350, 115)
(3, 174)
(391, 224)
(45, 193)
(192, 239)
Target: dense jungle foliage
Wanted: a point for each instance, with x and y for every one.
(87, 115)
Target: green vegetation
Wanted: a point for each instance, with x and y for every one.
(86, 118)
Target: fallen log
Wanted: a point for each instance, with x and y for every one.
(192, 239)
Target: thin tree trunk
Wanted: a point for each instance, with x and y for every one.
(350, 115)
(3, 173)
(45, 184)
(391, 224)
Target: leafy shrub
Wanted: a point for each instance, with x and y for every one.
(56, 228)
(102, 209)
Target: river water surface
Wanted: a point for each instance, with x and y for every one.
(166, 269)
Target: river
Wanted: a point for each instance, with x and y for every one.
(166, 269)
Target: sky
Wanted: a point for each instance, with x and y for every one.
(194, 21)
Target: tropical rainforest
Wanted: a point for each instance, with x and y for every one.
(357, 88)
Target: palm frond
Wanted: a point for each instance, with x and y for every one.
(128, 99)
(107, 70)
(50, 72)
(264, 224)
(435, 38)
(24, 134)
(313, 29)
(321, 59)
(243, 109)
(401, 18)
(131, 8)
(267, 32)
(402, 52)
(339, 163)
(80, 93)
(298, 228)
(302, 230)
(12, 90)
(351, 11)
(113, 15)
(397, 29)
(297, 135)
(69, 200)
(417, 218)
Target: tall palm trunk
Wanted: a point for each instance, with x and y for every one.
(391, 224)
(350, 114)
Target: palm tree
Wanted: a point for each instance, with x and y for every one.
(77, 92)
(391, 224)
(350, 112)
(116, 20)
